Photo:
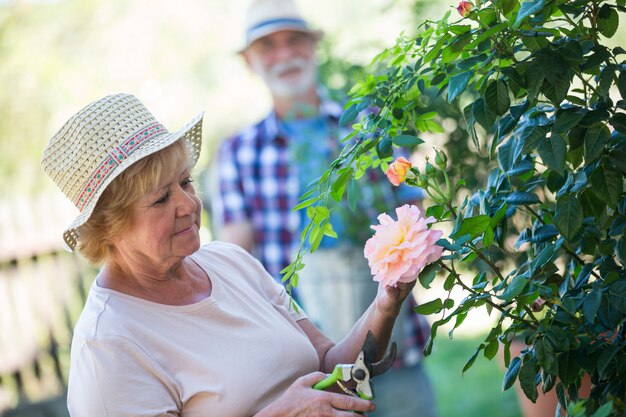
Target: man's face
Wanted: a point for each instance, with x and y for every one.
(285, 60)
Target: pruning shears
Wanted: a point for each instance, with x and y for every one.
(361, 371)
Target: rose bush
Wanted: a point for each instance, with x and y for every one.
(542, 94)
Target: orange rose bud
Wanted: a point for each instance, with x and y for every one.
(396, 173)
(464, 8)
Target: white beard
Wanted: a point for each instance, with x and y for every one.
(294, 85)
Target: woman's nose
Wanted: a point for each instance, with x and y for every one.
(186, 203)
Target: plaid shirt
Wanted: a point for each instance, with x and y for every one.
(258, 183)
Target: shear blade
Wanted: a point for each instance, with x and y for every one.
(385, 363)
(369, 348)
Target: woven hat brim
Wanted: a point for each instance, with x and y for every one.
(192, 132)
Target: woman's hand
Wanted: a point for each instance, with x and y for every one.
(302, 400)
(389, 299)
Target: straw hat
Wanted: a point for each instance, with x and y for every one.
(265, 17)
(99, 142)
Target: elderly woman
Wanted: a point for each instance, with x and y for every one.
(170, 327)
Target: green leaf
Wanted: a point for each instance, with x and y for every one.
(507, 6)
(553, 151)
(620, 249)
(534, 79)
(526, 9)
(605, 360)
(515, 288)
(545, 255)
(406, 140)
(305, 203)
(470, 62)
(384, 148)
(568, 367)
(528, 379)
(595, 140)
(618, 121)
(548, 381)
(592, 304)
(511, 373)
(567, 119)
(568, 217)
(316, 237)
(488, 237)
(607, 183)
(430, 307)
(621, 84)
(491, 349)
(604, 410)
(485, 35)
(457, 84)
(608, 26)
(449, 282)
(522, 198)
(473, 226)
(339, 185)
(349, 115)
(558, 91)
(498, 216)
(497, 97)
(483, 114)
(428, 274)
(545, 354)
(558, 338)
(353, 194)
(532, 136)
(329, 231)
(552, 65)
(471, 361)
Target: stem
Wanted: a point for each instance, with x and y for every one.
(487, 300)
(451, 208)
(448, 187)
(487, 261)
(436, 189)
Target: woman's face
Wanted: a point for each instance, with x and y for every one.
(165, 224)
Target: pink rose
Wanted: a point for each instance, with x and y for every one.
(397, 171)
(399, 250)
(464, 8)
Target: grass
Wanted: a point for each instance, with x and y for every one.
(478, 392)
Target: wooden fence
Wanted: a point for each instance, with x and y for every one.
(42, 291)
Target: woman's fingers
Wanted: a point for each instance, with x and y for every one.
(348, 403)
(311, 379)
(302, 400)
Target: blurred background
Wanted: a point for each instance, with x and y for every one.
(179, 58)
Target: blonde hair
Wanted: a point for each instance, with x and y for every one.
(112, 214)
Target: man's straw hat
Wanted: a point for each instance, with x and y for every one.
(99, 142)
(265, 17)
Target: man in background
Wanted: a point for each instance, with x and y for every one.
(260, 173)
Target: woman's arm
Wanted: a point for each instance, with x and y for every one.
(379, 318)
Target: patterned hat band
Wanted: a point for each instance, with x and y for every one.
(117, 155)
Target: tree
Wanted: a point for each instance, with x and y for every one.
(543, 98)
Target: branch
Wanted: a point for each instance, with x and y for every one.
(487, 300)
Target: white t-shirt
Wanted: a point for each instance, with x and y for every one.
(228, 355)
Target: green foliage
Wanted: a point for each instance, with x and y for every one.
(543, 99)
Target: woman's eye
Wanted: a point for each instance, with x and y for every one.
(186, 183)
(163, 199)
